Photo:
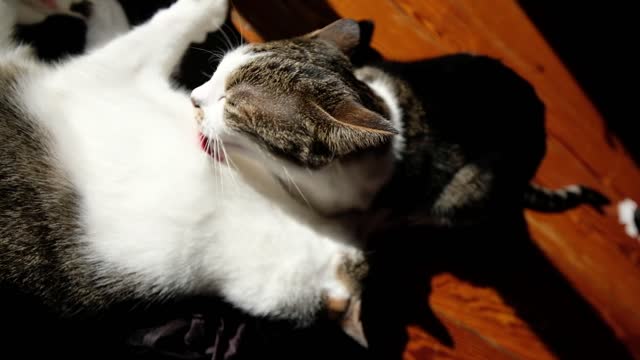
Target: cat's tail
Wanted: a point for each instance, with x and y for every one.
(556, 200)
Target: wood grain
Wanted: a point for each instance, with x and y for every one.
(590, 249)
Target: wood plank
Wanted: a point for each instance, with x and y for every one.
(484, 311)
(590, 249)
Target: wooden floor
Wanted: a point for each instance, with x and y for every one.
(574, 291)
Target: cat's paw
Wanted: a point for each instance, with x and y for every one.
(342, 293)
(215, 12)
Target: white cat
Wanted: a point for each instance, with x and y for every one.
(102, 162)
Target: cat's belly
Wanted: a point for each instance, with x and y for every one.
(148, 192)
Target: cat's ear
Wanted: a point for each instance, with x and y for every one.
(354, 115)
(351, 126)
(343, 33)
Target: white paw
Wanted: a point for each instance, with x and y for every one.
(214, 11)
(218, 10)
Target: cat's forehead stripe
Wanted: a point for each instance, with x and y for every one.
(231, 62)
(217, 85)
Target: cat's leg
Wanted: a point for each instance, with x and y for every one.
(106, 22)
(157, 46)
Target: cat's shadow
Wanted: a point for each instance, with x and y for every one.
(499, 255)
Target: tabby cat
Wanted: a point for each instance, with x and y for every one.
(447, 141)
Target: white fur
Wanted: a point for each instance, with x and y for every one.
(210, 95)
(154, 204)
(384, 90)
(626, 212)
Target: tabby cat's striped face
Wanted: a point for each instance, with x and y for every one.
(296, 100)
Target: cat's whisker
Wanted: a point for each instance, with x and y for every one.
(339, 167)
(286, 173)
(209, 150)
(266, 154)
(203, 50)
(212, 161)
(244, 29)
(236, 35)
(217, 154)
(214, 55)
(229, 162)
(228, 41)
(217, 56)
(227, 159)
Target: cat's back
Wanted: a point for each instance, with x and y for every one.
(477, 92)
(473, 106)
(38, 205)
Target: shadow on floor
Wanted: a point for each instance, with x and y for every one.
(595, 42)
(499, 255)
